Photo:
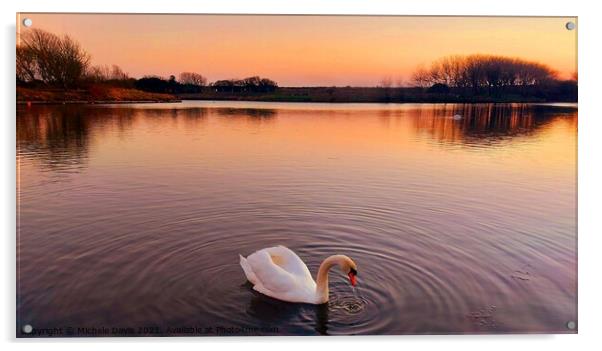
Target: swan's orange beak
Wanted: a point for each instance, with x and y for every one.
(352, 279)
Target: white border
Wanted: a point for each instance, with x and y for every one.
(590, 125)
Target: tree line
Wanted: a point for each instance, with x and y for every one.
(251, 84)
(483, 73)
(46, 59)
(194, 83)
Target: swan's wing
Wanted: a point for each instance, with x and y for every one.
(269, 275)
(289, 261)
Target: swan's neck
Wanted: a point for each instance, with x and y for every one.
(322, 279)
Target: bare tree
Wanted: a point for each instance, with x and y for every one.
(73, 62)
(421, 77)
(483, 71)
(118, 74)
(52, 59)
(98, 73)
(193, 79)
(104, 73)
(267, 85)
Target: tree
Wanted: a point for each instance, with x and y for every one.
(98, 73)
(118, 74)
(153, 84)
(52, 59)
(250, 84)
(421, 77)
(193, 79)
(478, 72)
(223, 85)
(113, 75)
(267, 85)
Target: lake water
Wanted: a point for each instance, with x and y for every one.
(133, 216)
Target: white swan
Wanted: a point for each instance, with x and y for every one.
(279, 273)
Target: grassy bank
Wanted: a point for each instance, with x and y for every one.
(93, 94)
(382, 95)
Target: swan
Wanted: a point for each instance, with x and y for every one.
(279, 273)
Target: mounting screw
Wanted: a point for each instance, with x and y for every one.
(570, 25)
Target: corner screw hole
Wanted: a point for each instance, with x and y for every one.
(27, 329)
(570, 25)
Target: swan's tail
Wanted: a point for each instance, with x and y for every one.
(247, 269)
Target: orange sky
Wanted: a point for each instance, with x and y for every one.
(307, 50)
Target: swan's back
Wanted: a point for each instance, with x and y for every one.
(288, 260)
(280, 273)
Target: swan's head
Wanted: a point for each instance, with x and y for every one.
(350, 268)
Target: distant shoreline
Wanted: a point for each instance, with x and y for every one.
(112, 102)
(121, 102)
(113, 95)
(390, 102)
(370, 95)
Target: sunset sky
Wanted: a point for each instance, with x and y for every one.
(307, 50)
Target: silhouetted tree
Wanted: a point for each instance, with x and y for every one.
(193, 79)
(152, 84)
(51, 59)
(250, 84)
(484, 72)
(267, 85)
(105, 73)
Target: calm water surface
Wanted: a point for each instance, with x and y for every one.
(134, 215)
